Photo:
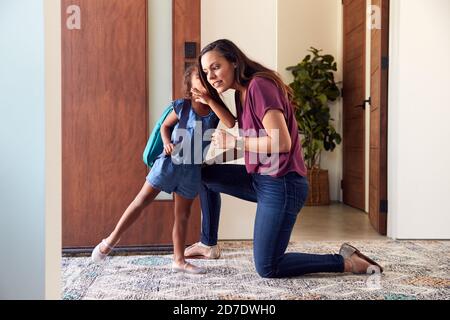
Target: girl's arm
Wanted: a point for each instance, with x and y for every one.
(222, 113)
(278, 139)
(166, 127)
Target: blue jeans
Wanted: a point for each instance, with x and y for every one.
(279, 202)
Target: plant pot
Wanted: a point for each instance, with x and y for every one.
(319, 188)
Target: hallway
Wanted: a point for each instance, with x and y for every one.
(334, 222)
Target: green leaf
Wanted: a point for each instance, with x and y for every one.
(328, 58)
(323, 98)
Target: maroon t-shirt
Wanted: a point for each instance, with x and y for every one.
(264, 95)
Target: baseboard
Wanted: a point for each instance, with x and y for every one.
(122, 250)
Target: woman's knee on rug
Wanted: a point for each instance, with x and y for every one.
(266, 271)
(265, 267)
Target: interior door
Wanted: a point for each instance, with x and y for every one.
(105, 123)
(354, 86)
(378, 115)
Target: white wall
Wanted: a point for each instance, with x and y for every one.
(251, 25)
(160, 57)
(159, 63)
(22, 145)
(419, 113)
(308, 23)
(313, 23)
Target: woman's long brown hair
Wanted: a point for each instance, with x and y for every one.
(246, 69)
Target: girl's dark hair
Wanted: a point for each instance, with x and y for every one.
(246, 68)
(187, 82)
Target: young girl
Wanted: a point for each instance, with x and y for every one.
(169, 174)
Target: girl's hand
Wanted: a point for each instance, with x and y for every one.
(223, 140)
(199, 96)
(168, 148)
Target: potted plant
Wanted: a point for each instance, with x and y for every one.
(314, 87)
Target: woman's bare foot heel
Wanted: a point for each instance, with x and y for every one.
(199, 250)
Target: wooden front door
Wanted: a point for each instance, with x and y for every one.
(354, 87)
(378, 115)
(105, 123)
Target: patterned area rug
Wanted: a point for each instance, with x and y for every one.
(413, 270)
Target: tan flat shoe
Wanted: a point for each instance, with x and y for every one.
(348, 250)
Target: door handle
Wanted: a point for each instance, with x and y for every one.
(363, 105)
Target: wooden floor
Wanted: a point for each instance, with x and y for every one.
(334, 222)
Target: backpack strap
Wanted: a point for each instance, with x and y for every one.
(186, 108)
(183, 114)
(181, 108)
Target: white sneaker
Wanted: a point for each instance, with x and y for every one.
(97, 256)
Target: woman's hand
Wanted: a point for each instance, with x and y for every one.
(168, 148)
(223, 140)
(199, 96)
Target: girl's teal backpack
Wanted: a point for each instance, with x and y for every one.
(155, 145)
